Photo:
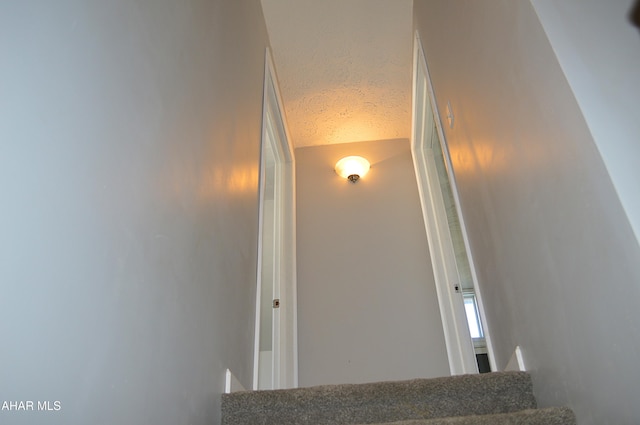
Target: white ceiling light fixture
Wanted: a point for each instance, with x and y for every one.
(352, 168)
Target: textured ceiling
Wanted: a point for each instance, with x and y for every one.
(344, 68)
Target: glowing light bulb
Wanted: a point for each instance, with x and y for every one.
(352, 168)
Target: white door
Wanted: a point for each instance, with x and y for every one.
(452, 268)
(275, 355)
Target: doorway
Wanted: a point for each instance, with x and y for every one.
(467, 341)
(275, 353)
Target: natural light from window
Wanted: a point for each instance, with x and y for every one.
(473, 318)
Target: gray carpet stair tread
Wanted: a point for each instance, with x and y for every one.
(547, 416)
(485, 394)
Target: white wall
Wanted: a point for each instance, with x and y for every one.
(599, 51)
(129, 148)
(557, 260)
(367, 306)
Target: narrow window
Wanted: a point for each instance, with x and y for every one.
(473, 318)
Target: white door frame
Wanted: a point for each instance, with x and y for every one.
(426, 125)
(285, 341)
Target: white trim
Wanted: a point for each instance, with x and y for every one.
(288, 376)
(231, 383)
(285, 350)
(516, 362)
(256, 342)
(459, 344)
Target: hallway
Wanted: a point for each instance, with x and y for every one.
(130, 148)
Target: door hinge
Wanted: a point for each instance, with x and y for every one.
(276, 303)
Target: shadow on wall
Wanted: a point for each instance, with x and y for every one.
(634, 14)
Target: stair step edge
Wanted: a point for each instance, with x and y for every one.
(545, 416)
(498, 392)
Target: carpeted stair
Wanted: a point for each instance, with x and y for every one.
(499, 398)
